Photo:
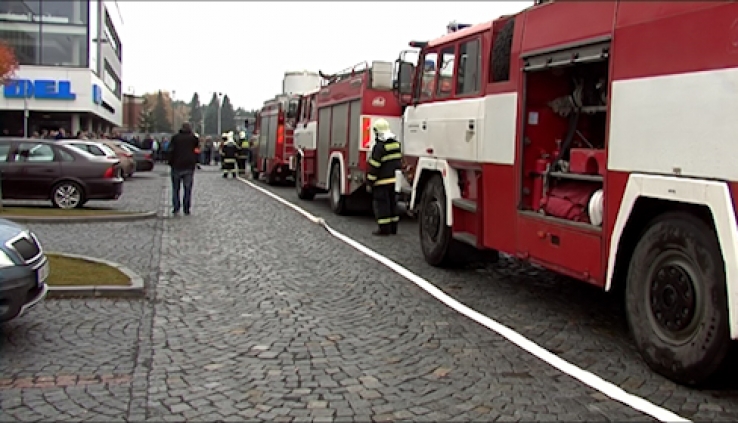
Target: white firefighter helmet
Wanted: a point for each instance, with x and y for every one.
(381, 126)
(242, 135)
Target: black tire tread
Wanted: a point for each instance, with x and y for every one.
(713, 345)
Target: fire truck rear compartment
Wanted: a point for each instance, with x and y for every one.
(564, 134)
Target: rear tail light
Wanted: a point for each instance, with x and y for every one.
(109, 172)
(280, 134)
(148, 156)
(366, 132)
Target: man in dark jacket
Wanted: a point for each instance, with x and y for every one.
(384, 162)
(182, 161)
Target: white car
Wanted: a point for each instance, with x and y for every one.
(92, 147)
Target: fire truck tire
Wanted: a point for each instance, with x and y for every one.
(501, 51)
(272, 178)
(676, 299)
(302, 192)
(439, 247)
(338, 201)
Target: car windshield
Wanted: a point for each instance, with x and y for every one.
(108, 151)
(127, 147)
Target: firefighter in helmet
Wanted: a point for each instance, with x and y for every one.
(243, 152)
(386, 158)
(229, 152)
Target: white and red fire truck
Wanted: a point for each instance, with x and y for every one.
(597, 139)
(333, 134)
(274, 151)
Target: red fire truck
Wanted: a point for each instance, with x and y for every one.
(333, 133)
(597, 139)
(274, 151)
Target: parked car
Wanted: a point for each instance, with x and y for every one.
(92, 147)
(24, 269)
(34, 169)
(144, 158)
(127, 163)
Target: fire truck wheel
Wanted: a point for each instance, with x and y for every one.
(338, 201)
(676, 299)
(302, 192)
(439, 247)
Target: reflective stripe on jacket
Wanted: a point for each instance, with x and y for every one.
(386, 158)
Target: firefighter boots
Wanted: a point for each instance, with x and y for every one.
(383, 230)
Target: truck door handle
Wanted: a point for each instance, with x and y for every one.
(470, 126)
(423, 125)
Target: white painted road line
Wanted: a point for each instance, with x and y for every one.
(593, 381)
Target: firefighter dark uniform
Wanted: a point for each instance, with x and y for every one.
(229, 153)
(243, 152)
(386, 158)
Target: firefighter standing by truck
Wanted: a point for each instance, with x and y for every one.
(386, 158)
(229, 152)
(243, 152)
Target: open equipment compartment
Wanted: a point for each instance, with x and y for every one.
(564, 131)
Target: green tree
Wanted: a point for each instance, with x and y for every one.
(196, 114)
(227, 115)
(146, 118)
(211, 116)
(161, 117)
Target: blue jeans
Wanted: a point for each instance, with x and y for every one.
(182, 178)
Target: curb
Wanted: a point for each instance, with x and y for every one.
(83, 219)
(135, 290)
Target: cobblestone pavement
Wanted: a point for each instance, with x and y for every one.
(575, 321)
(271, 320)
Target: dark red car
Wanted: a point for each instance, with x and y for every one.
(35, 169)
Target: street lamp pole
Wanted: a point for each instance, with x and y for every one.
(171, 100)
(219, 107)
(25, 116)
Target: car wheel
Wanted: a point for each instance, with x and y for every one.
(67, 195)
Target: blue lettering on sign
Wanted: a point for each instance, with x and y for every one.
(43, 89)
(96, 94)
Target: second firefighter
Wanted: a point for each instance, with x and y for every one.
(386, 158)
(229, 152)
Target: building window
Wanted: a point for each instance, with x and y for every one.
(60, 47)
(112, 80)
(69, 12)
(26, 44)
(51, 33)
(19, 10)
(111, 35)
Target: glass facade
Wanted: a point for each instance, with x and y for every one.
(47, 32)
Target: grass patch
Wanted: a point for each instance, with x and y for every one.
(68, 271)
(54, 212)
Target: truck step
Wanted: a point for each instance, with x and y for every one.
(466, 238)
(464, 204)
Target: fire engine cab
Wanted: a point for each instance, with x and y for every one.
(597, 139)
(333, 133)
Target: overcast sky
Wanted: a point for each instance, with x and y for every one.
(244, 48)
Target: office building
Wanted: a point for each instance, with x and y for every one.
(70, 56)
